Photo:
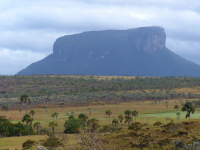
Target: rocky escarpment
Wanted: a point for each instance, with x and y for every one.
(100, 44)
(148, 39)
(139, 51)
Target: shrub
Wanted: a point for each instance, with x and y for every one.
(52, 142)
(73, 125)
(28, 144)
(158, 123)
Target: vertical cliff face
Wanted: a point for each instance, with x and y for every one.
(148, 39)
(101, 44)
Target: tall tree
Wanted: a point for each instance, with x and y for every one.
(37, 125)
(32, 112)
(90, 110)
(27, 118)
(53, 115)
(115, 121)
(25, 99)
(56, 115)
(189, 108)
(61, 105)
(53, 124)
(45, 107)
(108, 112)
(120, 117)
(128, 116)
(20, 110)
(176, 107)
(6, 107)
(83, 117)
(135, 114)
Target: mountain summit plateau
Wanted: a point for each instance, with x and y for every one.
(139, 51)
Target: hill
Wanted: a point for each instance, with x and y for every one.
(139, 51)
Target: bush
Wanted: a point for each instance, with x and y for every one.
(28, 144)
(8, 129)
(73, 125)
(158, 123)
(53, 142)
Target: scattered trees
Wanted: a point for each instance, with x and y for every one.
(73, 125)
(189, 108)
(115, 121)
(120, 117)
(27, 118)
(135, 114)
(108, 112)
(25, 99)
(53, 124)
(32, 112)
(128, 116)
(37, 125)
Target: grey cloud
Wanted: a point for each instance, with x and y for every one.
(35, 25)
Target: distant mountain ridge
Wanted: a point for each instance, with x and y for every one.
(139, 51)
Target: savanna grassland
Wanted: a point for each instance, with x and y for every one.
(153, 98)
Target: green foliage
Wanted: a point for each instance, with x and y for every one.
(73, 125)
(8, 129)
(83, 117)
(28, 144)
(71, 117)
(189, 108)
(158, 123)
(53, 142)
(180, 144)
(136, 126)
(93, 124)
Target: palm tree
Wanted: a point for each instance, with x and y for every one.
(90, 110)
(71, 117)
(120, 117)
(53, 115)
(115, 121)
(189, 108)
(37, 124)
(176, 107)
(27, 118)
(83, 117)
(135, 113)
(178, 115)
(32, 112)
(6, 107)
(56, 115)
(128, 116)
(108, 112)
(20, 110)
(45, 107)
(61, 105)
(93, 124)
(53, 124)
(25, 99)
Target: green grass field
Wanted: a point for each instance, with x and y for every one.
(147, 112)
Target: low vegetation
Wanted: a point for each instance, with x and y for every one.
(103, 123)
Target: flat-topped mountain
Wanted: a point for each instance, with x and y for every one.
(139, 51)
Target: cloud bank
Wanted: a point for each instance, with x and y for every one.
(28, 29)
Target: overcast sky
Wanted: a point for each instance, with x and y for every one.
(28, 28)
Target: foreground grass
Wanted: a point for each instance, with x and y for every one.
(148, 113)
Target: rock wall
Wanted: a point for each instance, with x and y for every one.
(148, 39)
(101, 44)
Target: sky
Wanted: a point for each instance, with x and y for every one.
(29, 28)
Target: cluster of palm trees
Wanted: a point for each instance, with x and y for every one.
(28, 118)
(128, 116)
